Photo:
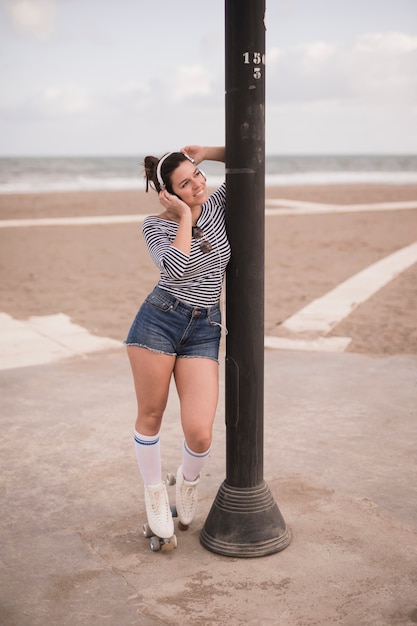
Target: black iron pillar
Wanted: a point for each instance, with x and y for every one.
(244, 520)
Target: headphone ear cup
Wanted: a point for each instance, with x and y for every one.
(203, 174)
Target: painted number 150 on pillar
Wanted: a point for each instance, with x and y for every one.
(257, 59)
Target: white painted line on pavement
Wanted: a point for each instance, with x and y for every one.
(43, 339)
(297, 207)
(285, 207)
(318, 344)
(326, 312)
(72, 221)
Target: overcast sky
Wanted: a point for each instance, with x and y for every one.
(128, 77)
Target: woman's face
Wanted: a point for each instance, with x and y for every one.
(189, 184)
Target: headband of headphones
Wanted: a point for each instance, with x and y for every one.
(159, 166)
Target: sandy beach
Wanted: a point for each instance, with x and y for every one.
(99, 274)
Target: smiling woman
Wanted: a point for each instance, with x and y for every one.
(177, 329)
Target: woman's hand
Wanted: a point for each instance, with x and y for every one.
(174, 207)
(178, 211)
(205, 153)
(196, 153)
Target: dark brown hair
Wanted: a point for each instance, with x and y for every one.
(168, 166)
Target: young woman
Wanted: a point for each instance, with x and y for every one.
(177, 329)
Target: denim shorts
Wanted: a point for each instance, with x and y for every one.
(166, 325)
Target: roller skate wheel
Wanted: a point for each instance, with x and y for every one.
(169, 544)
(171, 479)
(155, 544)
(182, 526)
(167, 547)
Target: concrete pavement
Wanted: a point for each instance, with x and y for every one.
(339, 457)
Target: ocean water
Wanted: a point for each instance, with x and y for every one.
(47, 174)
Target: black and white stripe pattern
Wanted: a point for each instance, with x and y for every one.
(196, 279)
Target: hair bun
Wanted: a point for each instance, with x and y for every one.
(150, 164)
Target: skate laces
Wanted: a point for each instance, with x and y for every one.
(158, 501)
(188, 493)
(188, 497)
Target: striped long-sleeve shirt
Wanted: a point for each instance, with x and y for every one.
(195, 278)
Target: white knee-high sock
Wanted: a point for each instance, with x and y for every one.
(148, 456)
(193, 462)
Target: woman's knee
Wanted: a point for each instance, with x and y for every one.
(149, 420)
(199, 441)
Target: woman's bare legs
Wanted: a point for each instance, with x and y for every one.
(198, 390)
(197, 385)
(197, 382)
(152, 373)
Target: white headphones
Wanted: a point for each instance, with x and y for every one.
(158, 169)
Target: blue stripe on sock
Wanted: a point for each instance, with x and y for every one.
(198, 455)
(142, 442)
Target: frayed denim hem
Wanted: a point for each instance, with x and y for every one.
(139, 345)
(197, 356)
(178, 356)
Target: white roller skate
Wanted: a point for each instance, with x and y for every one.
(186, 498)
(158, 511)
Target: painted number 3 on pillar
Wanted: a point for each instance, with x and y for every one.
(257, 59)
